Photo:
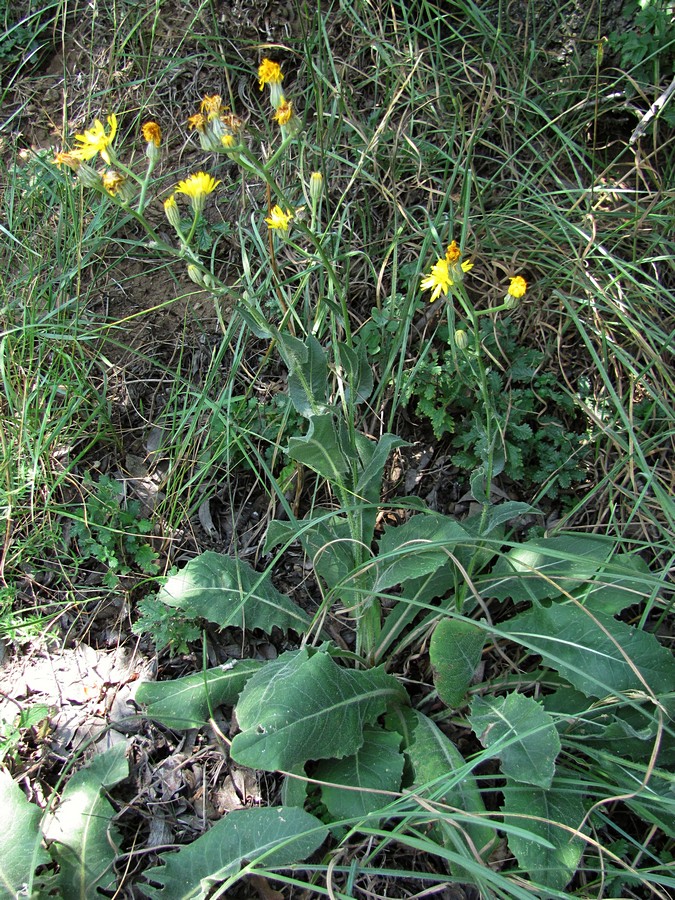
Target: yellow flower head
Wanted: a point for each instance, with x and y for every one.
(197, 121)
(443, 276)
(452, 254)
(95, 140)
(279, 219)
(211, 106)
(68, 159)
(228, 141)
(269, 73)
(284, 112)
(152, 133)
(197, 187)
(518, 287)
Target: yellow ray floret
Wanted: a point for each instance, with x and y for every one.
(517, 287)
(269, 73)
(95, 140)
(198, 185)
(279, 219)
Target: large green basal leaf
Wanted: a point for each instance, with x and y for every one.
(229, 592)
(583, 564)
(187, 702)
(596, 653)
(542, 812)
(84, 839)
(304, 706)
(442, 774)
(454, 652)
(376, 766)
(276, 836)
(521, 733)
(20, 840)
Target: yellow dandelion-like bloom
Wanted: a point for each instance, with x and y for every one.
(518, 287)
(284, 112)
(443, 276)
(152, 133)
(95, 140)
(197, 121)
(452, 254)
(211, 106)
(228, 141)
(279, 219)
(67, 159)
(439, 280)
(269, 73)
(197, 187)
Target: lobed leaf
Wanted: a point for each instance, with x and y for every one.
(304, 706)
(188, 702)
(376, 766)
(553, 859)
(521, 733)
(271, 836)
(228, 591)
(455, 651)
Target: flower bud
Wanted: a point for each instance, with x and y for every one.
(461, 339)
(171, 212)
(315, 187)
(195, 274)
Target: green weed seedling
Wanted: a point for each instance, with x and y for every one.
(113, 532)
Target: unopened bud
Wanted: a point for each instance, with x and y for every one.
(315, 186)
(171, 212)
(461, 339)
(195, 274)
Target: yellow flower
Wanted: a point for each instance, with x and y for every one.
(452, 254)
(197, 121)
(152, 133)
(269, 73)
(438, 280)
(518, 287)
(228, 141)
(211, 106)
(197, 187)
(95, 140)
(284, 112)
(279, 219)
(443, 276)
